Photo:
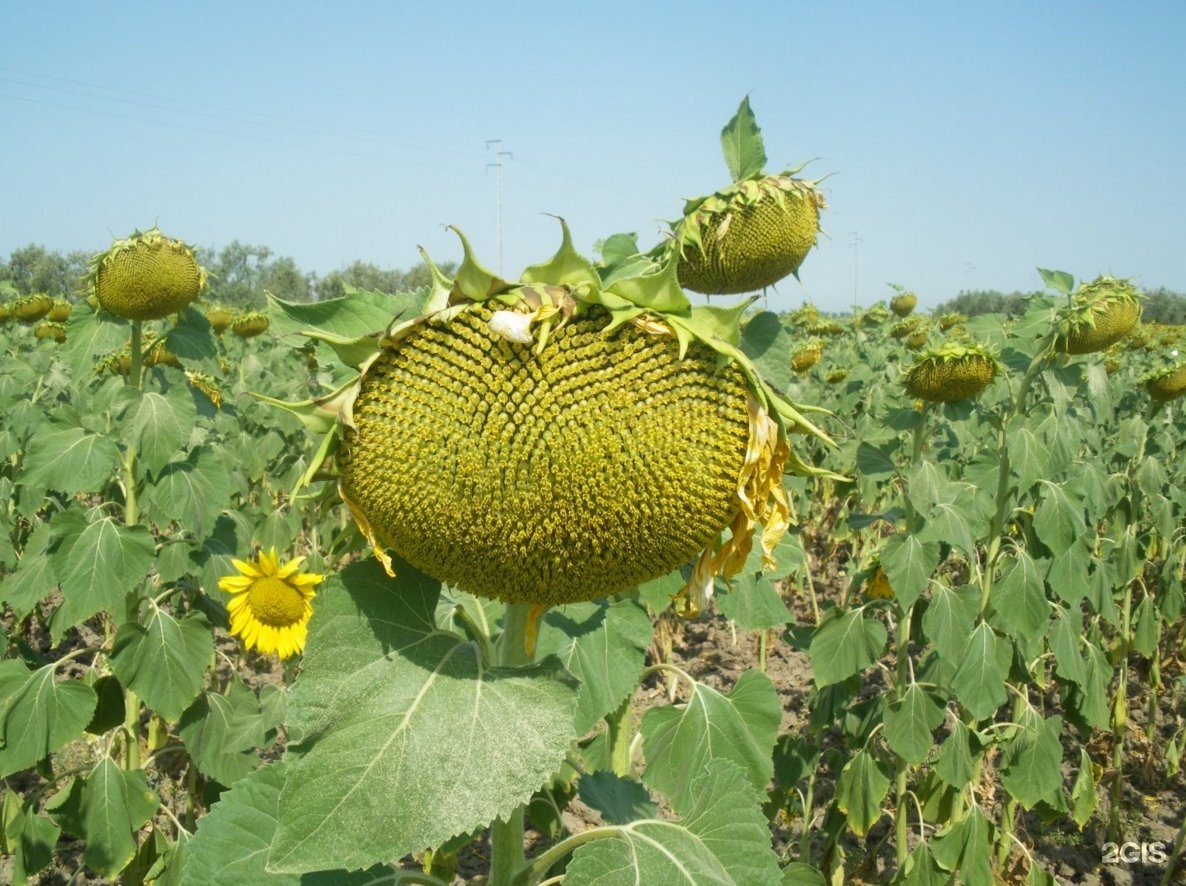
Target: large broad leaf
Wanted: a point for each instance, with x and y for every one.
(222, 731)
(619, 800)
(754, 603)
(722, 838)
(159, 424)
(191, 492)
(34, 577)
(192, 337)
(358, 314)
(955, 764)
(1028, 456)
(742, 145)
(910, 723)
(40, 714)
(1033, 757)
(98, 565)
(603, 645)
(679, 741)
(164, 659)
(231, 844)
(402, 736)
(70, 460)
(979, 681)
(115, 805)
(1019, 599)
(966, 847)
(845, 645)
(949, 619)
(860, 791)
(767, 341)
(959, 517)
(908, 564)
(91, 334)
(1058, 521)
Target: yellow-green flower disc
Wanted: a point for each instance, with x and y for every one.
(147, 276)
(5, 313)
(220, 318)
(60, 312)
(56, 331)
(903, 303)
(31, 308)
(951, 372)
(250, 324)
(749, 236)
(602, 461)
(1102, 313)
(1168, 386)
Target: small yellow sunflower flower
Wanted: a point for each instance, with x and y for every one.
(270, 608)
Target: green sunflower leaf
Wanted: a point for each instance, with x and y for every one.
(742, 144)
(232, 840)
(222, 730)
(721, 838)
(619, 800)
(603, 644)
(115, 805)
(910, 723)
(979, 681)
(160, 424)
(358, 314)
(389, 706)
(191, 492)
(860, 790)
(40, 714)
(70, 460)
(845, 645)
(679, 741)
(98, 564)
(164, 659)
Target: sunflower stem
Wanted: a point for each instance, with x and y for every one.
(506, 837)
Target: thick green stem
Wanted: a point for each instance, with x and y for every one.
(131, 757)
(620, 738)
(901, 813)
(506, 837)
(1120, 718)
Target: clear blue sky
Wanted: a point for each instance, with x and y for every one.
(968, 142)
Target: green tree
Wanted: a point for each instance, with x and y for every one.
(364, 275)
(34, 268)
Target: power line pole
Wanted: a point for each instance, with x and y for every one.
(854, 241)
(497, 164)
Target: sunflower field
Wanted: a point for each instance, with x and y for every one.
(585, 578)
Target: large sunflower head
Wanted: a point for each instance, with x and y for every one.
(755, 231)
(564, 437)
(1100, 313)
(146, 276)
(270, 606)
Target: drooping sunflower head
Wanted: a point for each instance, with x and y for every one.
(31, 308)
(806, 355)
(1100, 314)
(953, 371)
(250, 324)
(270, 604)
(60, 312)
(1166, 380)
(54, 331)
(220, 318)
(903, 328)
(753, 233)
(146, 276)
(903, 303)
(950, 320)
(561, 438)
(836, 376)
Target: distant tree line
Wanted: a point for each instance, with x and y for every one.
(238, 275)
(1161, 305)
